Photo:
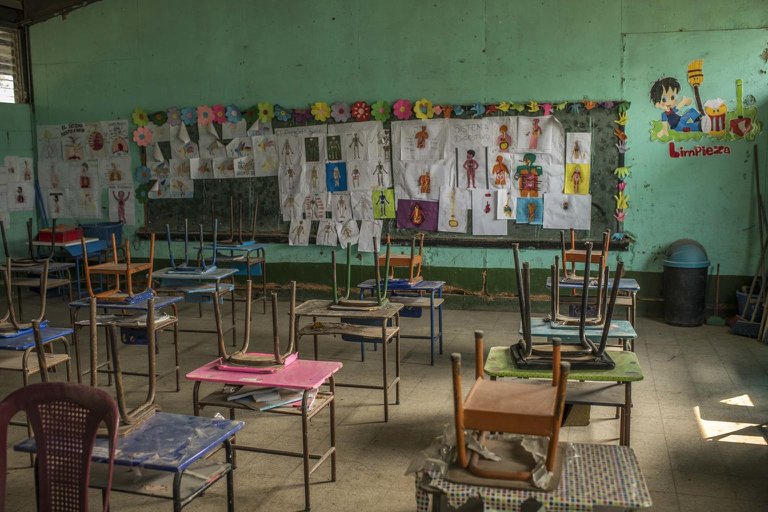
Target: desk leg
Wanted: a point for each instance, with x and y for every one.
(177, 506)
(440, 318)
(75, 342)
(333, 428)
(397, 359)
(314, 337)
(432, 328)
(384, 369)
(234, 322)
(305, 448)
(229, 451)
(196, 398)
(77, 274)
(175, 310)
(627, 412)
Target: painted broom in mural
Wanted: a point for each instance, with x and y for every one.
(696, 78)
(740, 125)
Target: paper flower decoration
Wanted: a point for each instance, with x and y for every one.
(301, 115)
(139, 117)
(233, 114)
(141, 193)
(380, 110)
(282, 113)
(448, 111)
(437, 109)
(219, 114)
(589, 104)
(204, 115)
(619, 133)
(360, 111)
(321, 111)
(622, 201)
(621, 172)
(490, 109)
(159, 118)
(142, 136)
(266, 112)
(607, 104)
(402, 109)
(423, 109)
(546, 109)
(623, 119)
(251, 115)
(504, 106)
(188, 116)
(340, 112)
(619, 215)
(561, 106)
(142, 174)
(533, 106)
(477, 110)
(458, 110)
(174, 116)
(575, 108)
(624, 106)
(518, 106)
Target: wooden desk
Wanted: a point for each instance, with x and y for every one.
(75, 250)
(500, 363)
(30, 278)
(171, 452)
(15, 352)
(208, 286)
(301, 375)
(425, 295)
(250, 260)
(594, 476)
(627, 298)
(383, 332)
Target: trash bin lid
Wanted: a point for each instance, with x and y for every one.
(686, 253)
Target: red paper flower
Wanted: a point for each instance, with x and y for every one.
(219, 114)
(360, 111)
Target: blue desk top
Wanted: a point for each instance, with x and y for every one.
(400, 284)
(541, 328)
(53, 266)
(240, 248)
(217, 275)
(27, 340)
(629, 285)
(165, 442)
(161, 301)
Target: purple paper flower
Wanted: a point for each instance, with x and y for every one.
(302, 115)
(174, 116)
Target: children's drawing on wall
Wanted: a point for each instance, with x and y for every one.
(348, 232)
(289, 150)
(264, 155)
(425, 182)
(298, 233)
(49, 142)
(201, 168)
(500, 176)
(244, 167)
(358, 148)
(87, 203)
(564, 211)
(383, 145)
(358, 176)
(680, 120)
(422, 180)
(51, 173)
(577, 178)
(115, 172)
(506, 205)
(336, 176)
(240, 147)
(291, 206)
(362, 206)
(315, 206)
(24, 170)
(116, 134)
(536, 133)
(530, 210)
(381, 173)
(326, 233)
(484, 220)
(417, 214)
(370, 231)
(578, 147)
(209, 141)
(453, 206)
(383, 200)
(472, 167)
(315, 177)
(341, 206)
(56, 205)
(122, 206)
(22, 197)
(161, 189)
(223, 168)
(423, 140)
(73, 141)
(95, 147)
(84, 175)
(159, 169)
(333, 145)
(235, 130)
(527, 176)
(312, 149)
(181, 187)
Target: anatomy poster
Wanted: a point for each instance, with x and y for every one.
(506, 205)
(52, 174)
(454, 205)
(264, 155)
(358, 175)
(24, 170)
(341, 206)
(298, 233)
(537, 173)
(484, 220)
(423, 140)
(539, 134)
(49, 142)
(362, 206)
(336, 176)
(116, 172)
(577, 179)
(73, 141)
(381, 174)
(417, 214)
(201, 168)
(326, 233)
(95, 148)
(530, 210)
(383, 201)
(86, 201)
(422, 180)
(472, 167)
(21, 197)
(57, 205)
(315, 206)
(578, 147)
(122, 205)
(315, 178)
(116, 137)
(501, 171)
(84, 175)
(348, 233)
(291, 206)
(370, 230)
(566, 211)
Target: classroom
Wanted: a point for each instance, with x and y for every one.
(338, 255)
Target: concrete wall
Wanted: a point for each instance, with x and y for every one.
(103, 60)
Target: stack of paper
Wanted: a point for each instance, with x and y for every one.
(264, 399)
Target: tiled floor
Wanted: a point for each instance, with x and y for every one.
(693, 426)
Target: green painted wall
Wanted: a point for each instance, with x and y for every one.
(103, 60)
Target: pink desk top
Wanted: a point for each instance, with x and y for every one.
(301, 374)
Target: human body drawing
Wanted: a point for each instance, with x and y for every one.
(121, 199)
(115, 174)
(291, 177)
(327, 232)
(576, 179)
(20, 199)
(500, 172)
(355, 177)
(535, 132)
(528, 176)
(297, 233)
(355, 145)
(421, 138)
(287, 151)
(312, 149)
(532, 207)
(417, 215)
(27, 171)
(425, 182)
(336, 177)
(382, 203)
(334, 147)
(576, 152)
(379, 171)
(504, 140)
(85, 180)
(470, 166)
(313, 177)
(341, 208)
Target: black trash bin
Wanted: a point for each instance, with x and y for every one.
(685, 283)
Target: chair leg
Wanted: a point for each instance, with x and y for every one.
(458, 411)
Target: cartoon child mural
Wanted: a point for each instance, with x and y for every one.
(665, 95)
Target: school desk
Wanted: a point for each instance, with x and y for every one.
(302, 375)
(422, 295)
(621, 330)
(167, 458)
(15, 352)
(594, 476)
(29, 277)
(201, 288)
(382, 331)
(599, 387)
(122, 315)
(74, 249)
(250, 260)
(627, 298)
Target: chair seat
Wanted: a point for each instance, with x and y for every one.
(580, 255)
(400, 260)
(122, 268)
(516, 406)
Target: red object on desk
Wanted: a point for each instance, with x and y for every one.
(62, 234)
(302, 374)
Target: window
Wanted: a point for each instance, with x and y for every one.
(11, 90)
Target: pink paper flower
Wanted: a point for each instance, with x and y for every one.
(619, 215)
(438, 110)
(301, 115)
(402, 109)
(340, 112)
(219, 114)
(547, 108)
(360, 111)
(174, 116)
(142, 136)
(621, 185)
(204, 115)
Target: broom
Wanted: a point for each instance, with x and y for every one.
(715, 319)
(696, 78)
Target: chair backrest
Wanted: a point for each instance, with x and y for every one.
(65, 418)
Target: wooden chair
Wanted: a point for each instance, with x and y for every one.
(412, 261)
(238, 238)
(512, 406)
(571, 255)
(586, 281)
(32, 259)
(200, 266)
(344, 302)
(9, 323)
(127, 269)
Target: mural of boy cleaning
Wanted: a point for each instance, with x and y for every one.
(665, 96)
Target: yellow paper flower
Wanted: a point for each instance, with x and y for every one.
(622, 201)
(533, 106)
(623, 119)
(423, 109)
(504, 106)
(621, 172)
(140, 118)
(321, 111)
(266, 112)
